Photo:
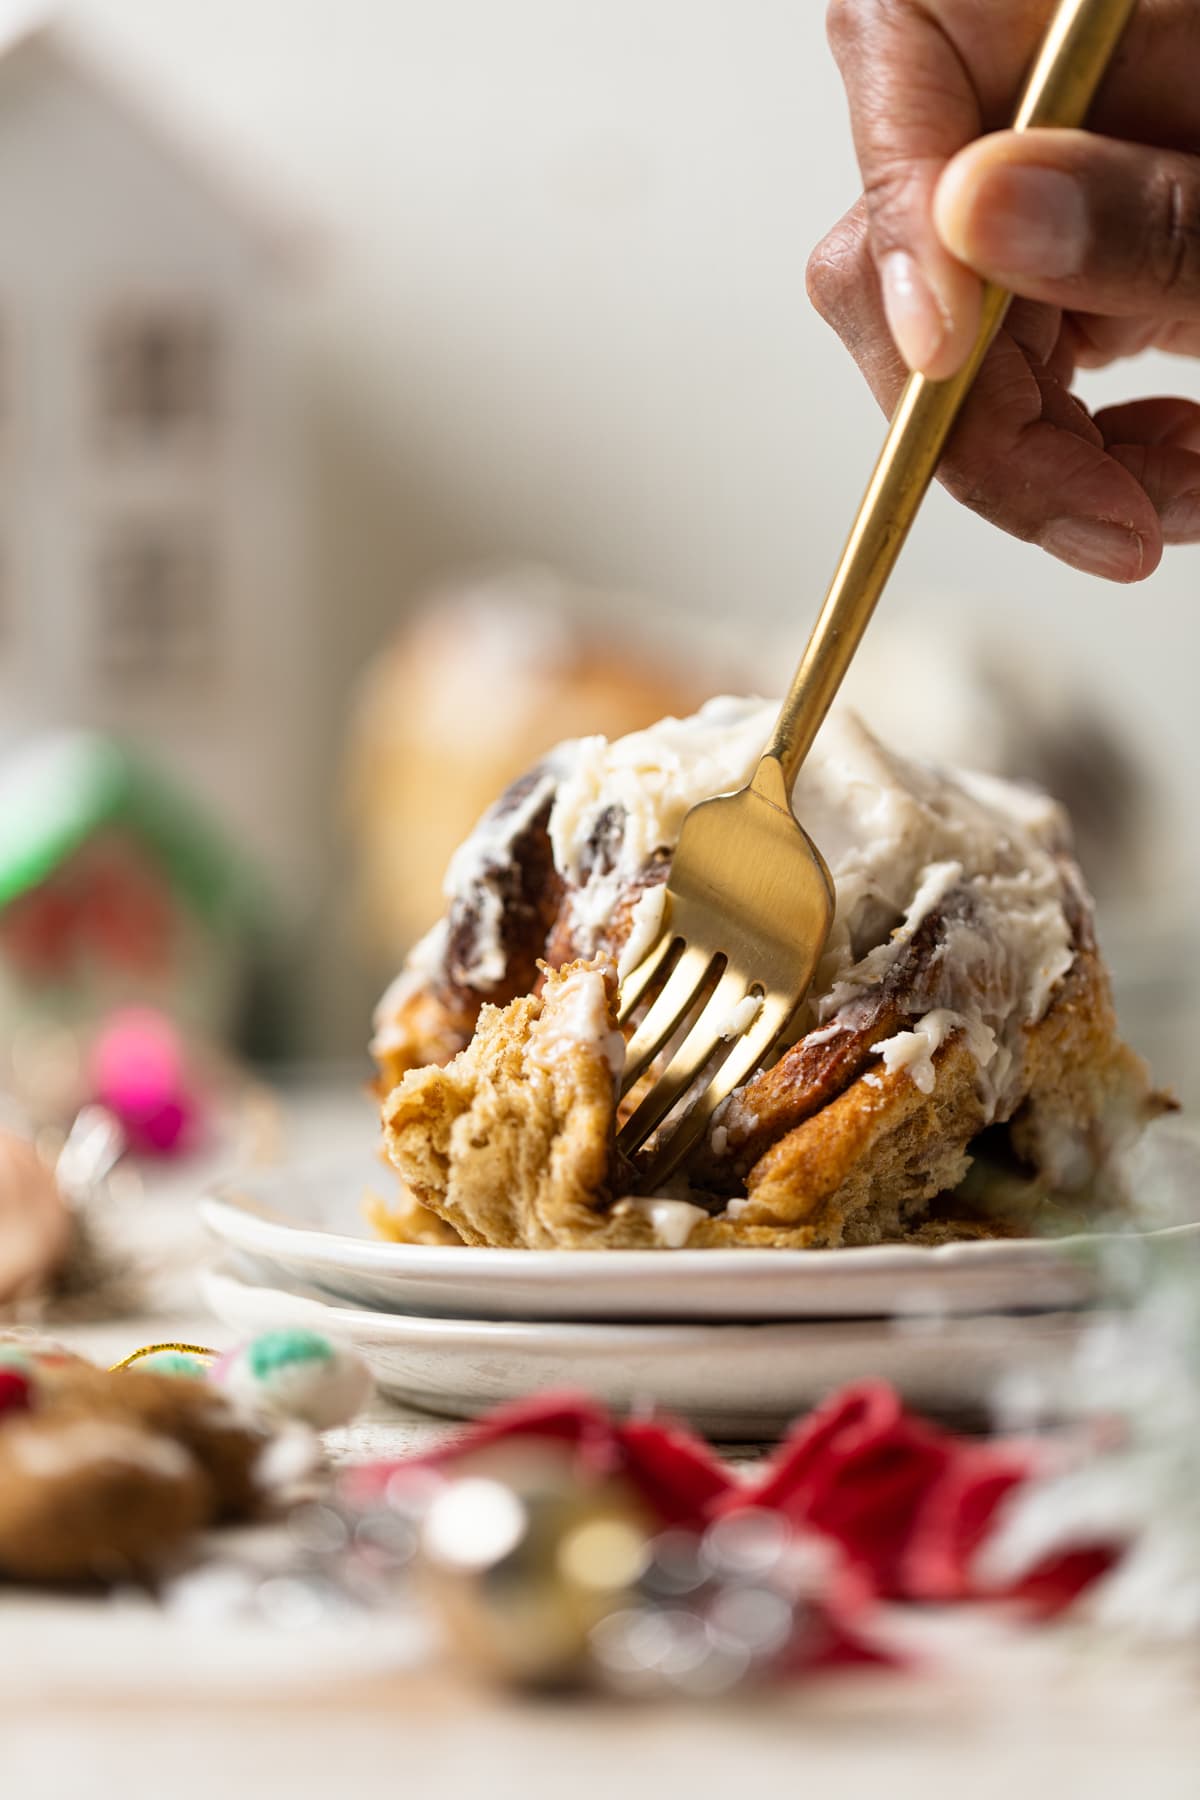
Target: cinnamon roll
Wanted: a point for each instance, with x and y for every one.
(955, 1069)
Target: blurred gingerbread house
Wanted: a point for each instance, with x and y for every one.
(115, 887)
(151, 513)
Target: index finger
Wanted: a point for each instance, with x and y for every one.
(913, 106)
(926, 77)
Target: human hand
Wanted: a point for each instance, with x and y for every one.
(1097, 232)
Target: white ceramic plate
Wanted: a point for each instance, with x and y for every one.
(306, 1225)
(736, 1382)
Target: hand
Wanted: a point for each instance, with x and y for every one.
(1098, 234)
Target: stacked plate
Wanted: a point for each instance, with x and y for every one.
(738, 1342)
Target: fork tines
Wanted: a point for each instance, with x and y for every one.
(702, 993)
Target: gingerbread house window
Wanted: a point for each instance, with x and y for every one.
(155, 619)
(156, 374)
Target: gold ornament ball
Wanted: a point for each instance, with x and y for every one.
(522, 1561)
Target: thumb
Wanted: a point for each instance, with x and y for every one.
(1082, 222)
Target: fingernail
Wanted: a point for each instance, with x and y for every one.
(1092, 544)
(913, 315)
(1181, 519)
(1016, 221)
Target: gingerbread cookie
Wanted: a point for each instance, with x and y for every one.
(103, 1473)
(93, 1498)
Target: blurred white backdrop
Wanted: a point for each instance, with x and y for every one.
(563, 305)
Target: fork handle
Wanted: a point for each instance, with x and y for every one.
(1070, 65)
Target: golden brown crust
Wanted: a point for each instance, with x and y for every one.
(864, 1168)
(827, 1060)
(860, 1169)
(405, 1221)
(511, 1143)
(430, 1026)
(1087, 1091)
(513, 1160)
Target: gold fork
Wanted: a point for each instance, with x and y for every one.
(749, 901)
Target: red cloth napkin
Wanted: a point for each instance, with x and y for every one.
(907, 1504)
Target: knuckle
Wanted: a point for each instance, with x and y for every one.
(965, 478)
(843, 23)
(864, 28)
(834, 272)
(975, 482)
(1174, 241)
(894, 191)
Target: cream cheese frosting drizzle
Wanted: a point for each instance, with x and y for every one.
(903, 841)
(578, 1017)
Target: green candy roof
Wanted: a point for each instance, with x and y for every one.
(59, 790)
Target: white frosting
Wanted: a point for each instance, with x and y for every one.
(654, 777)
(492, 838)
(672, 1221)
(913, 1050)
(473, 869)
(740, 1017)
(422, 965)
(827, 1032)
(577, 1014)
(80, 1445)
(645, 923)
(900, 839)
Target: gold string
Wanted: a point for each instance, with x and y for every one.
(152, 1349)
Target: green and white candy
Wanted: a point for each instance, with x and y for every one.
(296, 1376)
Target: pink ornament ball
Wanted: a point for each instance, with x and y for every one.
(139, 1073)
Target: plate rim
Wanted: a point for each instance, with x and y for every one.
(626, 1335)
(222, 1207)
